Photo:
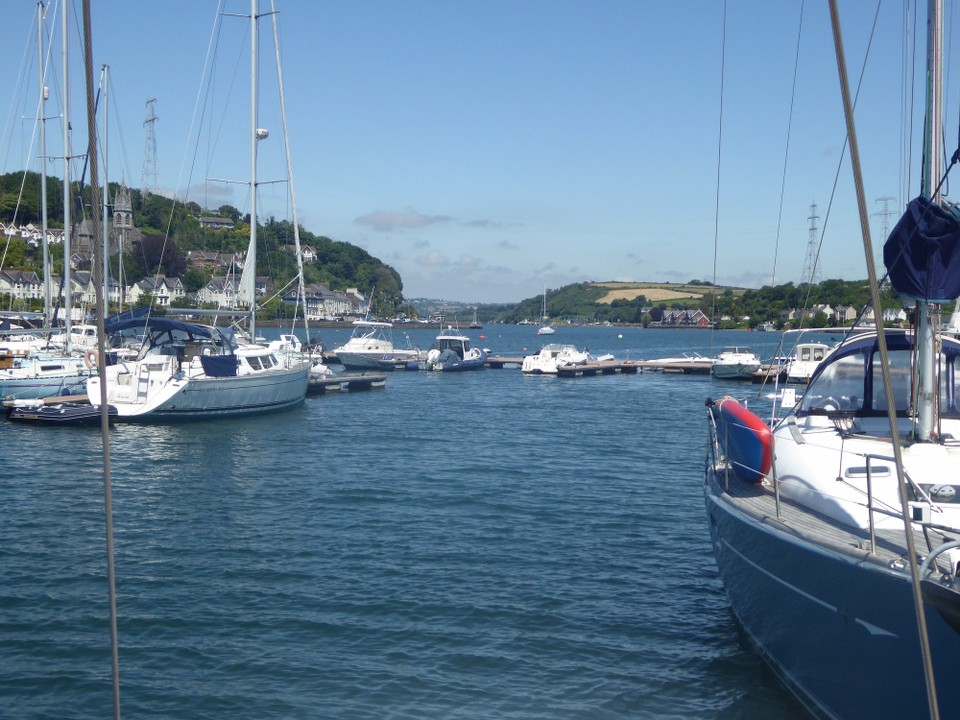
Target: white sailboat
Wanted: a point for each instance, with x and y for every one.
(187, 370)
(54, 371)
(835, 530)
(545, 327)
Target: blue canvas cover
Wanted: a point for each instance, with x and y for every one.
(922, 254)
(219, 365)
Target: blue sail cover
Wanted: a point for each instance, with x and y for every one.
(922, 254)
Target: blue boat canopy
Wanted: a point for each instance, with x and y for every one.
(158, 323)
(922, 254)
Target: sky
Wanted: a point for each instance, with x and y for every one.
(488, 149)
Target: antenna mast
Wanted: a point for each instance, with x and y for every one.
(811, 270)
(149, 181)
(884, 216)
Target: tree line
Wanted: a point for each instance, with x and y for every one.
(171, 230)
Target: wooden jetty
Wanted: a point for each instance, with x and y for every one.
(339, 383)
(498, 361)
(770, 373)
(599, 367)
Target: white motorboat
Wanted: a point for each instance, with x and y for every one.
(371, 347)
(551, 356)
(735, 363)
(804, 361)
(452, 352)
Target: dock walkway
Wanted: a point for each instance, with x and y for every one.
(339, 383)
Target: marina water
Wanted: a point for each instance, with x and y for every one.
(475, 545)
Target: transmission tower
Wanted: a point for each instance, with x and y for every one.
(884, 216)
(149, 180)
(811, 269)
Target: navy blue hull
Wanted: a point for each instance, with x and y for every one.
(839, 630)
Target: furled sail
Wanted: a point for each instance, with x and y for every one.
(922, 254)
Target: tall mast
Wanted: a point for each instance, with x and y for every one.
(68, 304)
(105, 216)
(254, 132)
(932, 146)
(42, 110)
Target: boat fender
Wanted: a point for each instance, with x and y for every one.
(91, 358)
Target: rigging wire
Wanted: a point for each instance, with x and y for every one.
(843, 151)
(716, 209)
(908, 91)
(786, 151)
(885, 363)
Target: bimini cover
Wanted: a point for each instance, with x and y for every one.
(922, 254)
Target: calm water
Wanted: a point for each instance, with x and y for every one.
(484, 545)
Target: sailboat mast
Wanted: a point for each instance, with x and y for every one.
(106, 191)
(927, 314)
(42, 117)
(252, 249)
(68, 304)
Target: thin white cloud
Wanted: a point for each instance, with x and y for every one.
(387, 221)
(507, 245)
(433, 259)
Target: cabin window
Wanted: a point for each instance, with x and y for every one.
(838, 388)
(901, 370)
(950, 385)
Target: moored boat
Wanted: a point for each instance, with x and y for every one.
(371, 347)
(735, 363)
(804, 361)
(452, 352)
(58, 413)
(188, 371)
(44, 375)
(841, 559)
(552, 355)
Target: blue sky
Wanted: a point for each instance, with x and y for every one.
(489, 148)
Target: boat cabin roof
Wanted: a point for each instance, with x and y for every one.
(371, 324)
(850, 379)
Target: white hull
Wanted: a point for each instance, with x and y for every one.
(42, 377)
(552, 356)
(376, 361)
(150, 392)
(738, 371)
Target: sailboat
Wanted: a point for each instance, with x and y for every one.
(835, 528)
(58, 371)
(545, 327)
(187, 370)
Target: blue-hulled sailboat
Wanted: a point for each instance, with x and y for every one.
(842, 563)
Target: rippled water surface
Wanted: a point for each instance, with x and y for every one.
(477, 545)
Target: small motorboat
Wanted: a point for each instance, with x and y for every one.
(59, 413)
(451, 352)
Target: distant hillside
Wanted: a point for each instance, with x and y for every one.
(641, 302)
(339, 264)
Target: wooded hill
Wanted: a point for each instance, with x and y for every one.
(641, 303)
(340, 264)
